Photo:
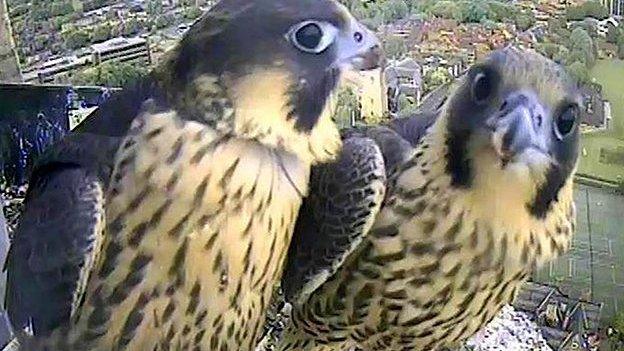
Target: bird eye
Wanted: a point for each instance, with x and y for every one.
(482, 87)
(566, 121)
(312, 37)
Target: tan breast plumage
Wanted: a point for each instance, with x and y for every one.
(197, 226)
(431, 272)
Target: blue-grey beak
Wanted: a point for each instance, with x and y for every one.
(521, 124)
(358, 48)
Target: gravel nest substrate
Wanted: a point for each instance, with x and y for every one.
(12, 204)
(510, 330)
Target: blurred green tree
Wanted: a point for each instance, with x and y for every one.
(582, 47)
(101, 33)
(435, 78)
(475, 11)
(192, 12)
(579, 71)
(590, 8)
(154, 7)
(613, 33)
(110, 74)
(395, 47)
(524, 20)
(447, 9)
(131, 27)
(75, 38)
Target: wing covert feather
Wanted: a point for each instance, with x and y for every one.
(344, 199)
(54, 244)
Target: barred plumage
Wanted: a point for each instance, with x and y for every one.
(475, 199)
(173, 235)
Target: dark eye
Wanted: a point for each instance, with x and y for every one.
(482, 87)
(309, 36)
(312, 36)
(566, 121)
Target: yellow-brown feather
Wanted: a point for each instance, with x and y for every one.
(440, 260)
(246, 212)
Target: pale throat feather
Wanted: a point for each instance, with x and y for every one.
(228, 192)
(267, 119)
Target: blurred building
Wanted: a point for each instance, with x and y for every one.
(52, 70)
(369, 86)
(616, 7)
(122, 50)
(9, 64)
(117, 49)
(89, 5)
(403, 78)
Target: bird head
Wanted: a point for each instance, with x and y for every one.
(279, 61)
(512, 130)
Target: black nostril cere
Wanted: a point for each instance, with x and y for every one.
(504, 106)
(358, 37)
(539, 119)
(513, 101)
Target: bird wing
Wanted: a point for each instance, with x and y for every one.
(345, 197)
(56, 240)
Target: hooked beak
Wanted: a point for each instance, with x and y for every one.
(369, 59)
(359, 49)
(519, 127)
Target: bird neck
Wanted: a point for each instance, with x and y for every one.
(262, 103)
(254, 107)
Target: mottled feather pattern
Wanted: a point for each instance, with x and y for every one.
(409, 269)
(147, 290)
(443, 256)
(339, 211)
(46, 274)
(208, 163)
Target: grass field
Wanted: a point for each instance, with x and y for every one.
(594, 267)
(610, 74)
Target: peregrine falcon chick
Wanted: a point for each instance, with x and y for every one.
(424, 228)
(164, 221)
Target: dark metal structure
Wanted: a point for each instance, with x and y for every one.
(32, 117)
(566, 323)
